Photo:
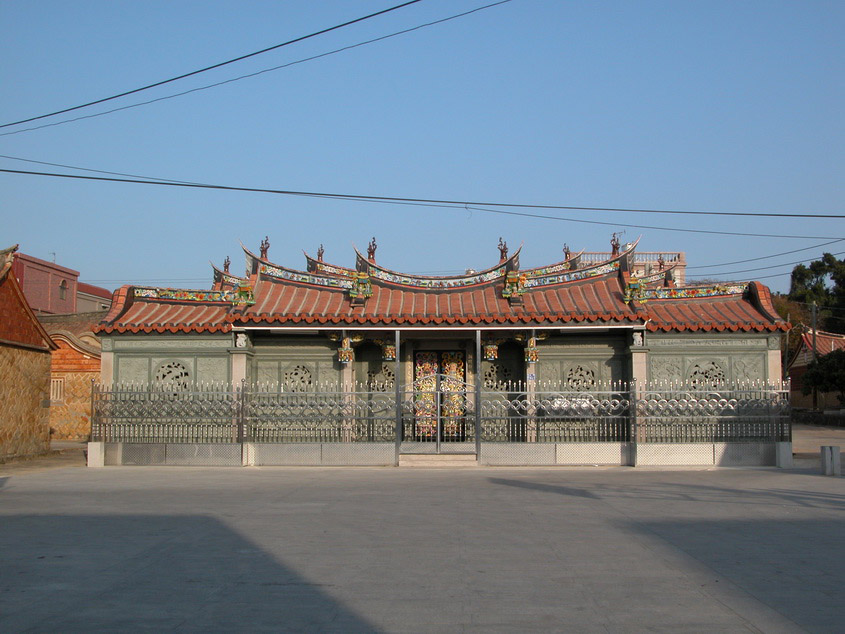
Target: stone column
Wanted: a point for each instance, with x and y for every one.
(773, 360)
(241, 353)
(639, 380)
(239, 357)
(531, 357)
(107, 361)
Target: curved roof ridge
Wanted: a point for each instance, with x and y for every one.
(605, 268)
(501, 264)
(319, 266)
(557, 266)
(277, 272)
(226, 273)
(390, 277)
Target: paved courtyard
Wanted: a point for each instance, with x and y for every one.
(420, 550)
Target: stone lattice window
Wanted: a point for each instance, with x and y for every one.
(580, 378)
(706, 374)
(497, 377)
(173, 375)
(298, 379)
(381, 380)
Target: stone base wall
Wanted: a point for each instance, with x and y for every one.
(24, 402)
(70, 418)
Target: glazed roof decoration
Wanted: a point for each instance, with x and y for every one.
(368, 294)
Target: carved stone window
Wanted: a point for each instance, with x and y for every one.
(706, 374)
(298, 379)
(580, 378)
(173, 375)
(382, 380)
(497, 377)
(63, 289)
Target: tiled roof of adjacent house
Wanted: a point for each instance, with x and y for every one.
(371, 295)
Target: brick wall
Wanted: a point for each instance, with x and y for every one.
(15, 323)
(24, 402)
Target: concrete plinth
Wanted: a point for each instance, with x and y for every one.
(831, 461)
(96, 454)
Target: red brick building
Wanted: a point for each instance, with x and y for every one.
(53, 289)
(25, 349)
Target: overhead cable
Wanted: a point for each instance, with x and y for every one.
(405, 201)
(213, 66)
(255, 74)
(464, 204)
(764, 257)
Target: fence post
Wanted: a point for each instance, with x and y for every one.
(94, 424)
(478, 395)
(633, 422)
(240, 396)
(397, 380)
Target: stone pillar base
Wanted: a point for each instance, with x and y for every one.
(96, 454)
(783, 455)
(831, 461)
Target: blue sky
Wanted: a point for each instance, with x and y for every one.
(718, 106)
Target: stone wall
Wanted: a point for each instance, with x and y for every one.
(184, 359)
(70, 416)
(711, 358)
(24, 402)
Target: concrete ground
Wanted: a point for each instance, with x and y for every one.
(420, 550)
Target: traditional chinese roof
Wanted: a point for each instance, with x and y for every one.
(369, 294)
(826, 342)
(76, 329)
(18, 323)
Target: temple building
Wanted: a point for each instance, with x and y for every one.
(566, 321)
(508, 355)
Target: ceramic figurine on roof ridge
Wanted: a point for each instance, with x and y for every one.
(226, 263)
(614, 245)
(264, 247)
(320, 253)
(371, 250)
(503, 250)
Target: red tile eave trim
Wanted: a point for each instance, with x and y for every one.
(411, 320)
(171, 328)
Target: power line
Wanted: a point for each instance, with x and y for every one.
(407, 201)
(218, 65)
(773, 266)
(764, 257)
(465, 204)
(260, 72)
(652, 227)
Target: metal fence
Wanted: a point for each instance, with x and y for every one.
(442, 415)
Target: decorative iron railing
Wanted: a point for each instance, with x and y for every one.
(445, 411)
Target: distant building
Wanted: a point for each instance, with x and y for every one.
(825, 343)
(75, 364)
(53, 289)
(25, 349)
(646, 263)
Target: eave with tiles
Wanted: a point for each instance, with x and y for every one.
(502, 302)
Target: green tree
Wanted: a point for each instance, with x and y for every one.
(826, 374)
(822, 282)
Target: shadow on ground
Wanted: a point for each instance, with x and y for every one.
(796, 567)
(152, 573)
